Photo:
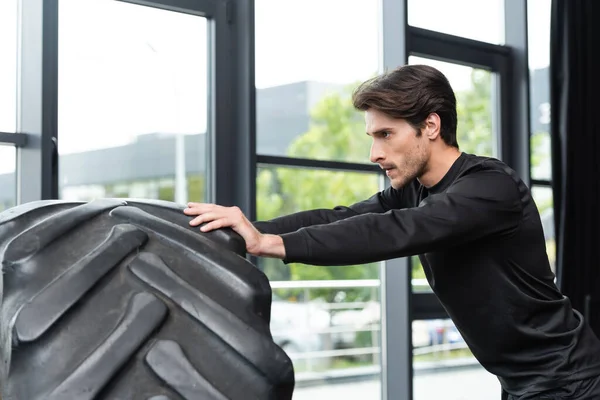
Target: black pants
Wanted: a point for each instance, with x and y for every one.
(587, 389)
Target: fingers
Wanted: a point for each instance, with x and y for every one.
(207, 217)
(214, 216)
(216, 224)
(194, 204)
(199, 208)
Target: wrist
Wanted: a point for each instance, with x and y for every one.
(271, 246)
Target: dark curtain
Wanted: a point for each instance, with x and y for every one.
(575, 130)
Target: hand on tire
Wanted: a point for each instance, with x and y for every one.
(216, 217)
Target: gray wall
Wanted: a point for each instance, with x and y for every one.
(283, 113)
(151, 156)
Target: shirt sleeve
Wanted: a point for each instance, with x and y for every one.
(478, 205)
(381, 202)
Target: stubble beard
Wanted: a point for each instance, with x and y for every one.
(414, 167)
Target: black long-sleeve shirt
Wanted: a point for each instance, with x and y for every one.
(479, 237)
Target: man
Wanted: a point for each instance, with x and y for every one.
(474, 225)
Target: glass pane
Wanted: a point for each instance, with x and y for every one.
(544, 199)
(132, 102)
(444, 367)
(538, 22)
(304, 77)
(476, 131)
(326, 318)
(472, 19)
(8, 65)
(8, 183)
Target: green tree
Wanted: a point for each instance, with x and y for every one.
(196, 187)
(474, 111)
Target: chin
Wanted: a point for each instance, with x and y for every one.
(398, 183)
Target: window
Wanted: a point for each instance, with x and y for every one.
(443, 364)
(8, 101)
(132, 116)
(8, 183)
(285, 190)
(303, 93)
(472, 19)
(305, 116)
(541, 159)
(326, 318)
(543, 197)
(538, 12)
(8, 66)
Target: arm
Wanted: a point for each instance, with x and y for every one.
(381, 202)
(485, 203)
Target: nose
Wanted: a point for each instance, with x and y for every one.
(376, 155)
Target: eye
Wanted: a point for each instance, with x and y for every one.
(385, 134)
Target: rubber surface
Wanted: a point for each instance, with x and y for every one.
(122, 299)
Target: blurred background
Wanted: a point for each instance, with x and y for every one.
(133, 106)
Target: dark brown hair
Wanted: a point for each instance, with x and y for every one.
(411, 92)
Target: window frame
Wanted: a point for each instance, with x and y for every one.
(16, 139)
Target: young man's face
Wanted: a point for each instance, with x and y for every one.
(396, 147)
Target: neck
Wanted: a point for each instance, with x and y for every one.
(438, 166)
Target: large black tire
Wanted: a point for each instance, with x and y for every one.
(122, 299)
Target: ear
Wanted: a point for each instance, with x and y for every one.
(433, 126)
